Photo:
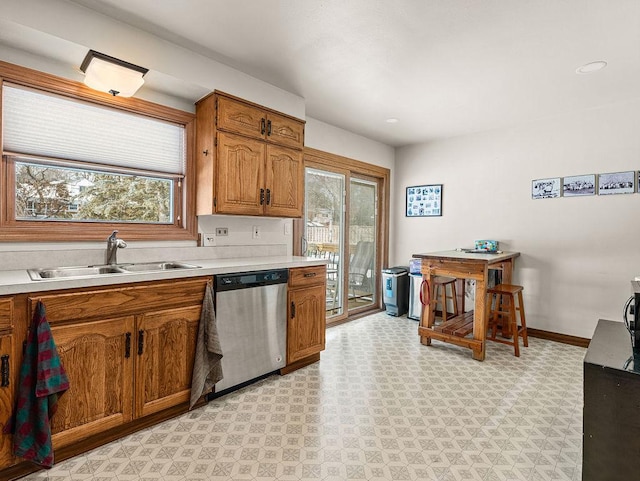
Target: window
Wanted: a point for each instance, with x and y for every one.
(51, 193)
(77, 163)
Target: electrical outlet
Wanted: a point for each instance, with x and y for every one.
(255, 232)
(222, 231)
(208, 240)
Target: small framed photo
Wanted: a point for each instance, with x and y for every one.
(578, 185)
(617, 183)
(424, 201)
(545, 188)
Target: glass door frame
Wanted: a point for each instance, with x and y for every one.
(320, 160)
(347, 243)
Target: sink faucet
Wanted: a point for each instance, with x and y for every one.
(112, 247)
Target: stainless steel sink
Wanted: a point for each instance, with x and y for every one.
(66, 272)
(92, 271)
(156, 266)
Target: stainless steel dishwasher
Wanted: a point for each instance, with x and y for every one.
(251, 318)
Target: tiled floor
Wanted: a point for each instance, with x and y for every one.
(378, 406)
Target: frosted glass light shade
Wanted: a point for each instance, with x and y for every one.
(108, 74)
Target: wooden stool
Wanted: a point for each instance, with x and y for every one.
(504, 311)
(440, 291)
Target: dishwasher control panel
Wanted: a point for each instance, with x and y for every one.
(246, 280)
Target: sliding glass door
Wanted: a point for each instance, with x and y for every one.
(362, 277)
(324, 231)
(341, 226)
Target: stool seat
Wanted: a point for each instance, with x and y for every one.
(505, 289)
(440, 284)
(503, 308)
(443, 280)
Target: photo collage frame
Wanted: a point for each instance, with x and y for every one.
(585, 185)
(424, 201)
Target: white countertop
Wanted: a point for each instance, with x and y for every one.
(18, 281)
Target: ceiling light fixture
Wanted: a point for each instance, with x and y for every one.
(112, 75)
(591, 67)
(392, 121)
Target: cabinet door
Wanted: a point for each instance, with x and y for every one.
(284, 182)
(165, 358)
(306, 326)
(100, 370)
(240, 118)
(239, 175)
(7, 388)
(285, 131)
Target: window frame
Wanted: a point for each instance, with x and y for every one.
(12, 230)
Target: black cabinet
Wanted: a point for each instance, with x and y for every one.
(611, 420)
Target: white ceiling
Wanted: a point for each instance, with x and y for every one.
(442, 67)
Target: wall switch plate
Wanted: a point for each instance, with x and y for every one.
(222, 231)
(208, 240)
(255, 232)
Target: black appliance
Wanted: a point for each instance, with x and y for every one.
(633, 324)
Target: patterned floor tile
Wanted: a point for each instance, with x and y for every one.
(379, 406)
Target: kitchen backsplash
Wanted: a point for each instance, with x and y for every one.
(273, 238)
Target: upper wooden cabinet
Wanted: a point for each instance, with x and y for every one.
(257, 122)
(249, 159)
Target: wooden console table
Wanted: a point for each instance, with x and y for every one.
(462, 265)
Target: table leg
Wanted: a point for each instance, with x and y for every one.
(480, 318)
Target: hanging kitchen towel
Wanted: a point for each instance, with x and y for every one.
(207, 369)
(42, 380)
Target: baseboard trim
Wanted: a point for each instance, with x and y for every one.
(562, 338)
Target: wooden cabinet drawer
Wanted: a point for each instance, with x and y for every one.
(6, 313)
(120, 301)
(241, 118)
(285, 131)
(307, 276)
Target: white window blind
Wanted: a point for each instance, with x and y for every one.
(43, 124)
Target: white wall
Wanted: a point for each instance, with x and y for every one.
(578, 254)
(322, 136)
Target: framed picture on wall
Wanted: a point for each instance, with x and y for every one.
(617, 183)
(577, 185)
(545, 188)
(424, 201)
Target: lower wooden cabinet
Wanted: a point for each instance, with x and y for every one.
(165, 358)
(7, 367)
(98, 359)
(306, 309)
(128, 352)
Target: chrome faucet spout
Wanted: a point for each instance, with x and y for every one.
(113, 243)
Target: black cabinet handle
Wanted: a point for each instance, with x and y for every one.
(261, 196)
(293, 309)
(310, 274)
(140, 342)
(268, 196)
(127, 345)
(269, 127)
(4, 369)
(262, 127)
